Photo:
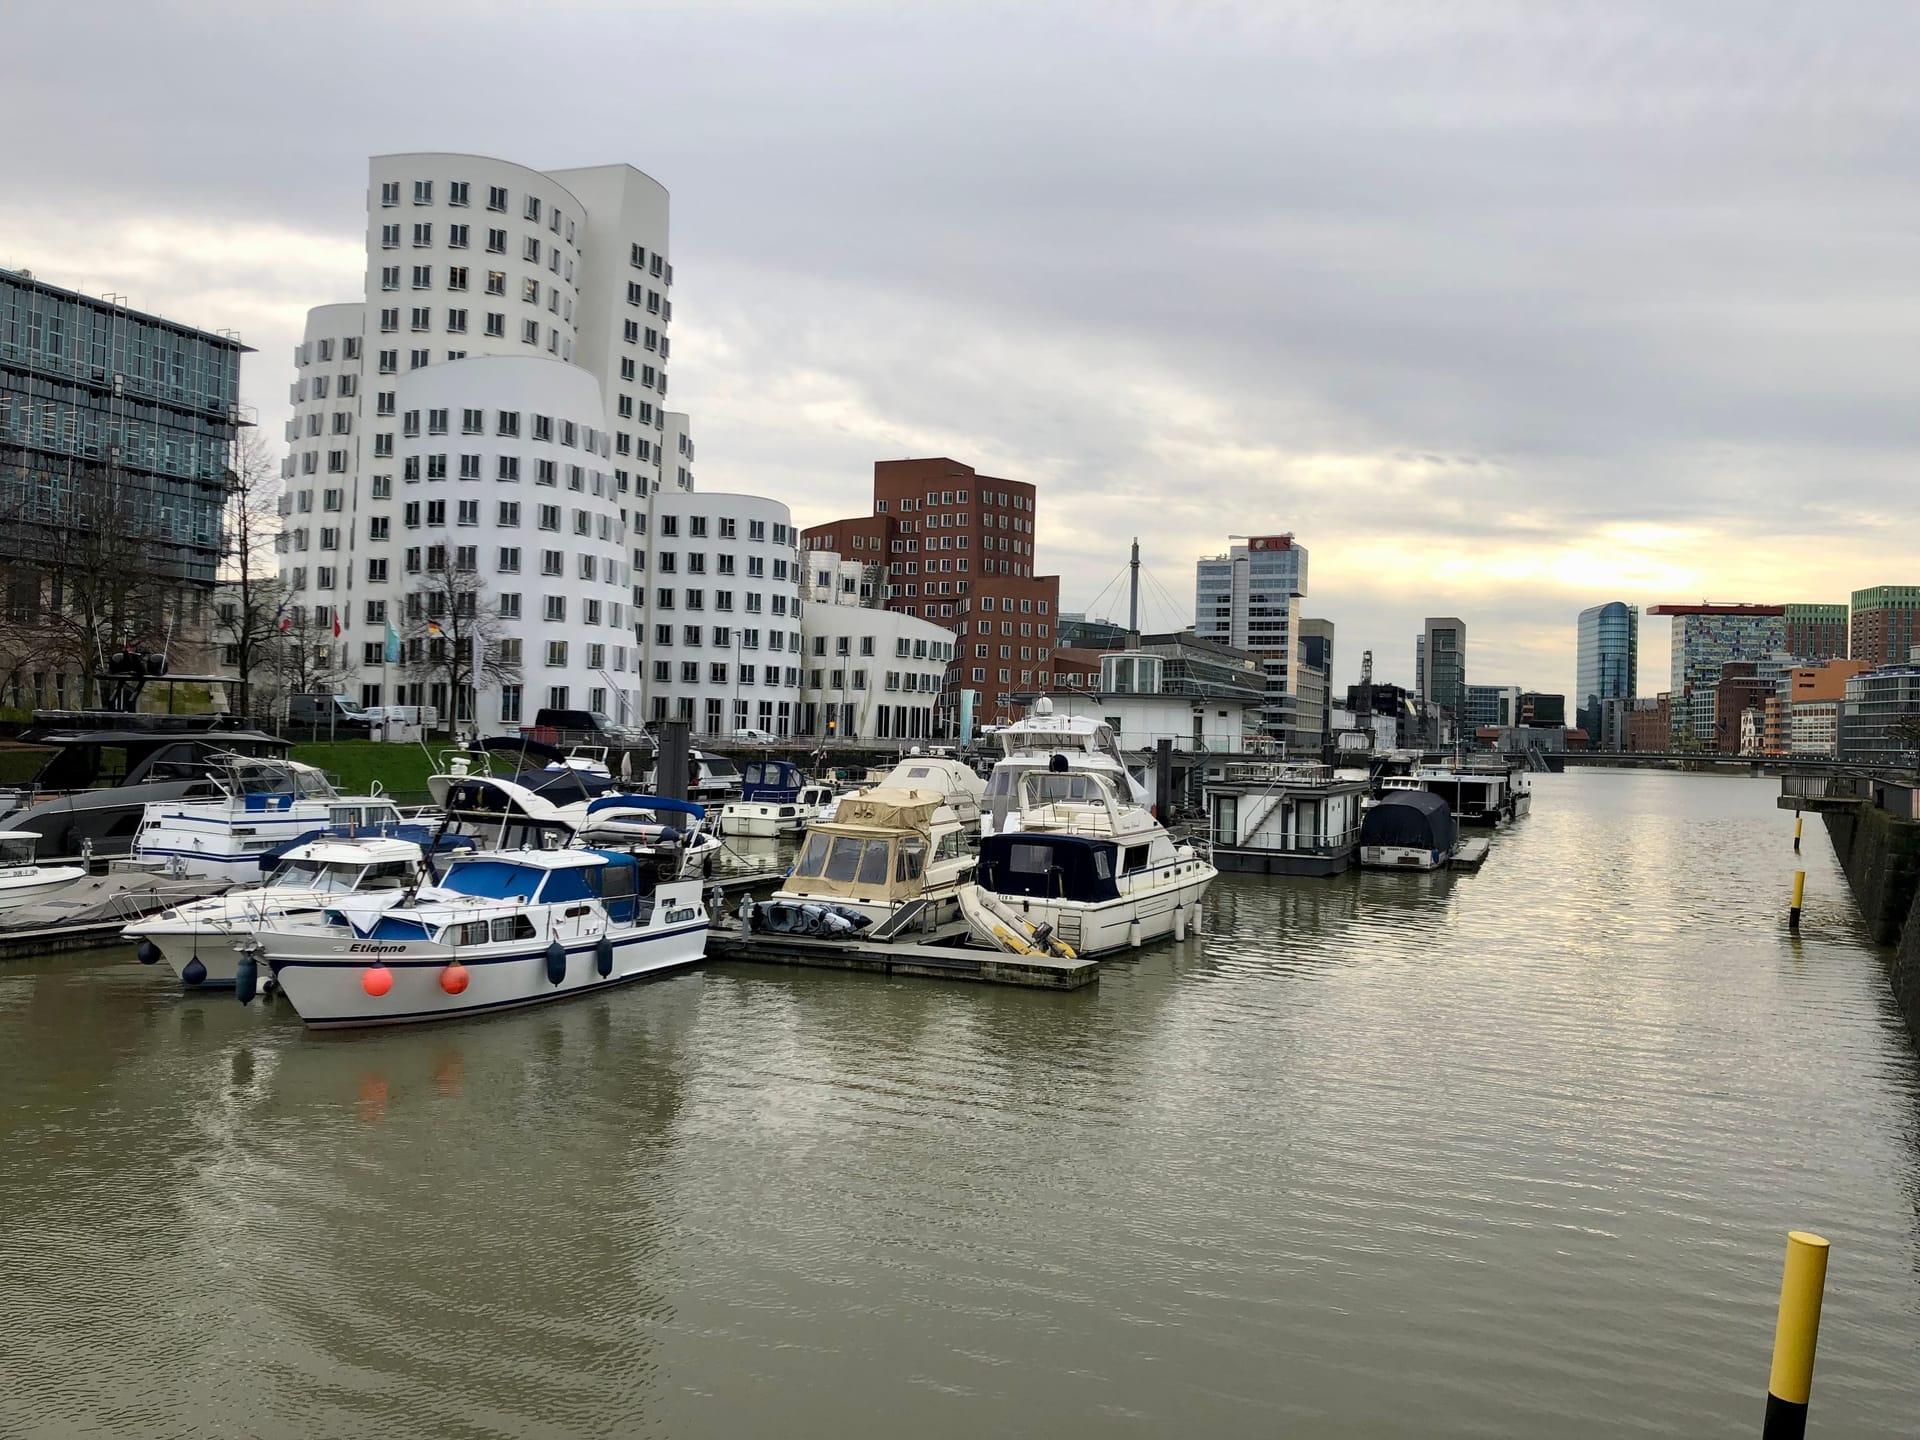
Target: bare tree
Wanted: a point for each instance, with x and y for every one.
(247, 620)
(97, 570)
(306, 657)
(454, 637)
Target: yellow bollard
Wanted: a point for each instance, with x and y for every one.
(1791, 1381)
(1799, 892)
(1798, 819)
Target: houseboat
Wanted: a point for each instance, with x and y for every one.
(500, 929)
(1408, 830)
(1273, 818)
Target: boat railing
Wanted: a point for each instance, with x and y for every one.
(1271, 772)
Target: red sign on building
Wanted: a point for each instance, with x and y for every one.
(1270, 542)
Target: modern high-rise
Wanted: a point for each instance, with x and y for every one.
(1249, 598)
(1441, 648)
(1706, 638)
(1816, 632)
(117, 426)
(1607, 660)
(1316, 678)
(1884, 629)
(488, 421)
(946, 544)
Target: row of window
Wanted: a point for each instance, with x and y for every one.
(459, 193)
(979, 676)
(1027, 652)
(718, 673)
(695, 599)
(321, 351)
(726, 528)
(1004, 499)
(726, 637)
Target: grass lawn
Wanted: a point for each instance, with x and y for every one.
(402, 770)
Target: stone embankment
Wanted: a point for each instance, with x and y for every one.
(1880, 854)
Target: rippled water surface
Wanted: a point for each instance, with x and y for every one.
(1511, 1153)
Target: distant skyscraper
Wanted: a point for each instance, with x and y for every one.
(1884, 632)
(1249, 598)
(1706, 637)
(1316, 676)
(1817, 632)
(1442, 655)
(1607, 662)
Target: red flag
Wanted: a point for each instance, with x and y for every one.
(336, 622)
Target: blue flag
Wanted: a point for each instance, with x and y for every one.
(393, 644)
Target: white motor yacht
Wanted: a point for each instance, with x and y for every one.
(201, 940)
(500, 929)
(264, 803)
(1077, 864)
(22, 881)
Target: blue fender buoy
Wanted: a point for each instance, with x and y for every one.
(556, 963)
(603, 957)
(246, 978)
(195, 973)
(147, 953)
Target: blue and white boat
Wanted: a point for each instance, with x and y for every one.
(506, 812)
(769, 802)
(265, 804)
(501, 929)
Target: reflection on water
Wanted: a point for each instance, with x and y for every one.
(1504, 1153)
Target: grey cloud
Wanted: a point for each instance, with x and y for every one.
(1482, 276)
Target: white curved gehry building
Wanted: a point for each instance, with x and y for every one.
(721, 636)
(496, 288)
(868, 673)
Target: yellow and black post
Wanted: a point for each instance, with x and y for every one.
(1798, 818)
(1799, 893)
(1794, 1334)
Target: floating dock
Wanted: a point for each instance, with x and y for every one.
(940, 958)
(1471, 851)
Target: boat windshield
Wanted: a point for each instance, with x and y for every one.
(16, 849)
(1055, 787)
(315, 875)
(493, 879)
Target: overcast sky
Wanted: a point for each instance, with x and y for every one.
(1503, 309)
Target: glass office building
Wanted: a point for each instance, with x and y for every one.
(1607, 660)
(97, 400)
(1705, 640)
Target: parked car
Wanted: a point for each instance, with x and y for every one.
(426, 717)
(328, 715)
(748, 735)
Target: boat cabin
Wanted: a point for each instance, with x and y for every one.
(335, 869)
(1050, 866)
(770, 781)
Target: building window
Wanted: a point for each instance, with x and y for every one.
(422, 235)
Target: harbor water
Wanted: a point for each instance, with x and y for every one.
(1508, 1153)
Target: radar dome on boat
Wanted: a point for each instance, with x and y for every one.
(1042, 706)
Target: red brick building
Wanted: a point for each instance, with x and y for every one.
(957, 548)
(1650, 726)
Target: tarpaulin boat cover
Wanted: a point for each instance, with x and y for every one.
(1409, 819)
(1048, 866)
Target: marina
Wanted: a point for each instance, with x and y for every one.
(1462, 1212)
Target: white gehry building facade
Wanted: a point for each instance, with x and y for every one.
(868, 673)
(721, 640)
(498, 291)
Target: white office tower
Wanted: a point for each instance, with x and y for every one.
(868, 673)
(1249, 598)
(722, 628)
(494, 407)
